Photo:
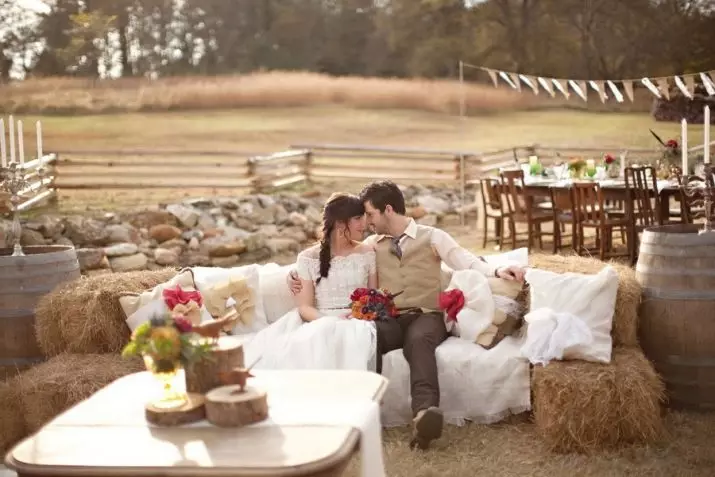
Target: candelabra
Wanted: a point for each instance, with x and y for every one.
(14, 183)
(700, 191)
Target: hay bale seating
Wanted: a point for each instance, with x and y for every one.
(33, 398)
(84, 316)
(578, 406)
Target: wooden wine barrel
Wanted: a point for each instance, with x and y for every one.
(23, 281)
(676, 268)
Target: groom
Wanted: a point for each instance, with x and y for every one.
(408, 260)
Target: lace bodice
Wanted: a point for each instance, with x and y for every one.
(346, 274)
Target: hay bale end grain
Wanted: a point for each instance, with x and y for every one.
(584, 407)
(84, 316)
(12, 423)
(628, 298)
(61, 382)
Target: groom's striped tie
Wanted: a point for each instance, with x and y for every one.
(395, 246)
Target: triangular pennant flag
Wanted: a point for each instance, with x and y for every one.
(651, 87)
(578, 89)
(628, 88)
(708, 83)
(690, 84)
(493, 76)
(547, 85)
(530, 82)
(583, 84)
(515, 80)
(617, 94)
(681, 86)
(561, 87)
(664, 87)
(599, 87)
(506, 78)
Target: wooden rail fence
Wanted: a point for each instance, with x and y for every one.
(243, 172)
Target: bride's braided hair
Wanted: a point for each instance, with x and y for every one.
(339, 208)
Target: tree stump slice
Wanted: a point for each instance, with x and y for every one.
(192, 411)
(227, 406)
(203, 376)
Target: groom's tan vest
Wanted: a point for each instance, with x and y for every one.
(418, 274)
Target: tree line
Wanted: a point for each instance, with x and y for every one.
(580, 39)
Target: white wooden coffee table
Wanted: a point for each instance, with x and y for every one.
(107, 435)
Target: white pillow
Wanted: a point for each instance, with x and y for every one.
(591, 298)
(274, 293)
(208, 277)
(141, 307)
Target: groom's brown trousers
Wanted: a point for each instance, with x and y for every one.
(418, 334)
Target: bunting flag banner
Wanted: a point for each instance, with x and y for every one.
(707, 82)
(493, 76)
(628, 88)
(614, 89)
(579, 90)
(547, 85)
(561, 87)
(618, 89)
(530, 82)
(663, 87)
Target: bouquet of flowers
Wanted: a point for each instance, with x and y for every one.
(373, 304)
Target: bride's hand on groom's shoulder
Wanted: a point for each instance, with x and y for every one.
(293, 282)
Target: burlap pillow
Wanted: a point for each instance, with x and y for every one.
(508, 312)
(232, 293)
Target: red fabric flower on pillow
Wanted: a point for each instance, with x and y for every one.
(176, 296)
(451, 302)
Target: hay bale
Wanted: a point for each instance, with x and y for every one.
(583, 407)
(12, 423)
(86, 312)
(628, 298)
(54, 386)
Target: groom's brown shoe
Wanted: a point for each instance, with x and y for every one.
(428, 427)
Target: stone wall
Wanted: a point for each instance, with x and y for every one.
(222, 231)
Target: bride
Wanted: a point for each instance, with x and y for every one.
(319, 333)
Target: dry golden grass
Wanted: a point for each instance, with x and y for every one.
(256, 90)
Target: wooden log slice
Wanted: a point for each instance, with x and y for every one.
(202, 376)
(192, 411)
(227, 406)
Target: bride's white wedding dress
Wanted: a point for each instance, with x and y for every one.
(333, 341)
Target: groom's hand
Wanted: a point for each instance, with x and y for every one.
(512, 272)
(294, 282)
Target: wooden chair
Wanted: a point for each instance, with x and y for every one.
(519, 213)
(493, 207)
(590, 213)
(689, 206)
(642, 184)
(564, 214)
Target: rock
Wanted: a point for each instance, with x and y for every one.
(194, 259)
(48, 226)
(83, 232)
(282, 245)
(100, 271)
(122, 233)
(187, 216)
(210, 233)
(429, 219)
(31, 237)
(163, 232)
(121, 250)
(224, 262)
(294, 233)
(313, 215)
(176, 243)
(417, 212)
(298, 219)
(255, 256)
(149, 218)
(64, 241)
(206, 221)
(90, 258)
(433, 204)
(138, 261)
(166, 257)
(223, 246)
(255, 242)
(194, 244)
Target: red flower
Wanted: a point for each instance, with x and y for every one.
(359, 293)
(672, 144)
(183, 324)
(451, 302)
(609, 159)
(174, 296)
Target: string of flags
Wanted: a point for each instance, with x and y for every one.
(617, 89)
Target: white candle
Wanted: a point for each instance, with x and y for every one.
(684, 146)
(11, 128)
(20, 142)
(533, 160)
(38, 128)
(2, 142)
(706, 135)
